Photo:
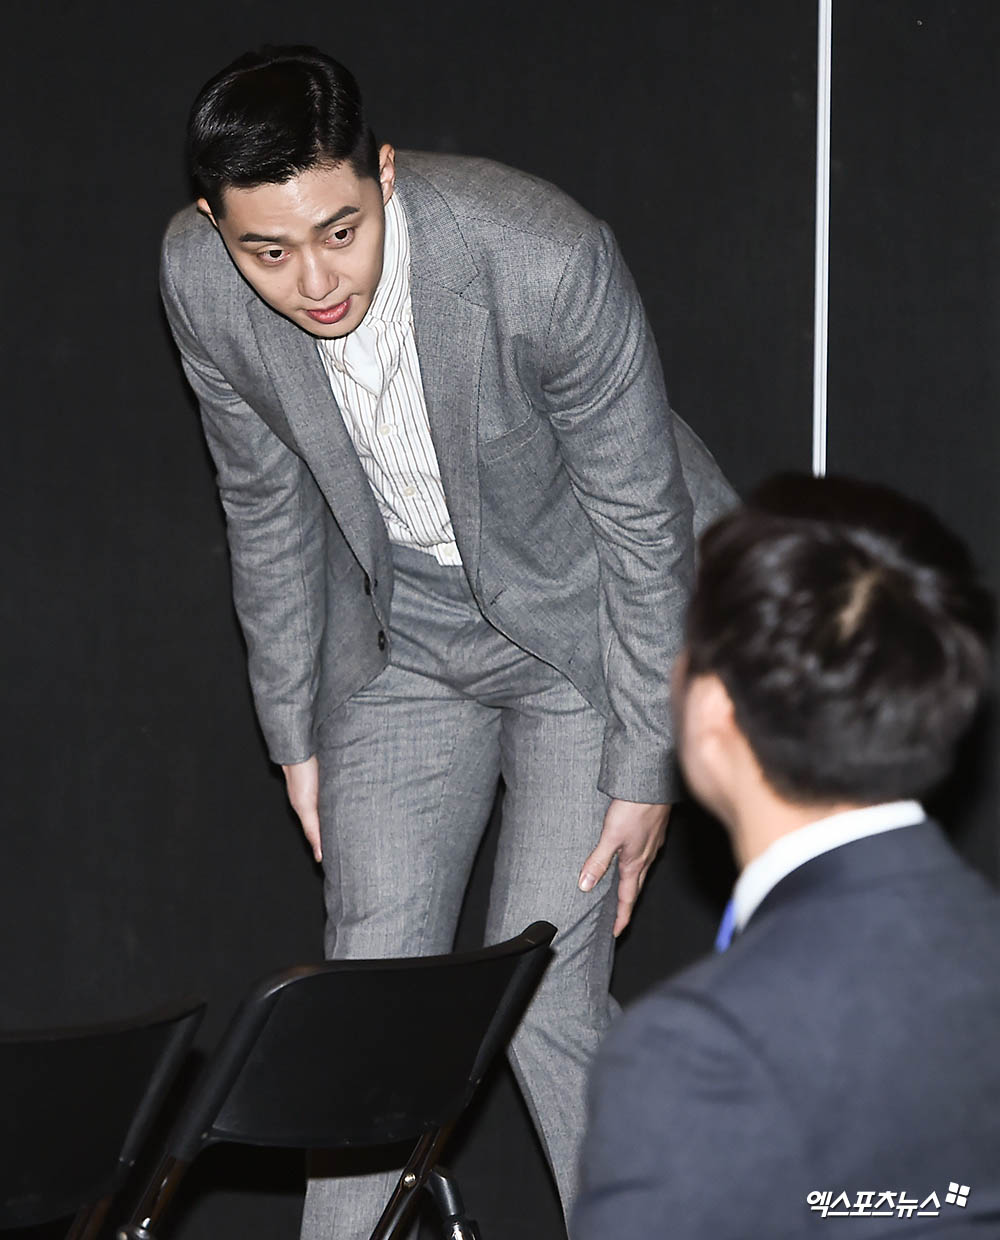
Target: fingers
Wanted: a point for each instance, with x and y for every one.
(302, 785)
(310, 828)
(630, 881)
(631, 876)
(634, 833)
(596, 865)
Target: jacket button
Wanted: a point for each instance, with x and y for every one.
(368, 584)
(381, 639)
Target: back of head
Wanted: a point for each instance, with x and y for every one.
(272, 114)
(851, 633)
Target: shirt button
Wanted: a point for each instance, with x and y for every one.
(386, 429)
(381, 639)
(409, 490)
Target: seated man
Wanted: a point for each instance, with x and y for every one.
(839, 1060)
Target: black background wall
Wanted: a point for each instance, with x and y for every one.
(147, 849)
(915, 293)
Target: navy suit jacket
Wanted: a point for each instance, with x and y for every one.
(848, 1041)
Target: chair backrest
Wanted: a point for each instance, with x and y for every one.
(361, 1052)
(75, 1106)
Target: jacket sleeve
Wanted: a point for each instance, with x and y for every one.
(276, 533)
(608, 407)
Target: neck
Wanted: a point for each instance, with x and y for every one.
(759, 816)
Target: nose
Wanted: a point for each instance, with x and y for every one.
(316, 280)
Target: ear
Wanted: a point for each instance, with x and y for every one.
(206, 211)
(387, 171)
(708, 742)
(710, 724)
(709, 710)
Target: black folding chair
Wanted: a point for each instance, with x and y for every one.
(75, 1106)
(358, 1053)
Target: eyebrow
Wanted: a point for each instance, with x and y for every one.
(343, 213)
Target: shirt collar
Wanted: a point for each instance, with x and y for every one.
(392, 296)
(797, 847)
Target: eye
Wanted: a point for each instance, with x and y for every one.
(272, 256)
(341, 236)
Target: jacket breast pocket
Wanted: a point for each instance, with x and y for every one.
(492, 450)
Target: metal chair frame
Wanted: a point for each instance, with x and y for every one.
(259, 1085)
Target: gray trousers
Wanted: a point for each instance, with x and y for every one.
(408, 774)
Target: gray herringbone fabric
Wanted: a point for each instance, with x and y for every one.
(574, 495)
(556, 445)
(409, 767)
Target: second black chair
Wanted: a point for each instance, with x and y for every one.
(75, 1107)
(358, 1053)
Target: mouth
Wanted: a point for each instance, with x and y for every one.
(330, 314)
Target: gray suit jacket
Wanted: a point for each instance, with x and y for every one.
(556, 446)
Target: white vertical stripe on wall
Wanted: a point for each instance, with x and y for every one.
(821, 322)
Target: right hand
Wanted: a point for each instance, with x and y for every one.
(302, 785)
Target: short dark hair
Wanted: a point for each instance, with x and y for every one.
(272, 114)
(851, 632)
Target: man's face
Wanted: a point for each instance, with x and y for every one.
(312, 247)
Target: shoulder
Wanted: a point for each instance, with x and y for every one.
(189, 235)
(197, 276)
(742, 1024)
(492, 195)
(523, 245)
(921, 943)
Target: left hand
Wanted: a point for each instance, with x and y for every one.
(635, 833)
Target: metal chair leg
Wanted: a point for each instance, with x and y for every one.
(155, 1199)
(87, 1223)
(401, 1204)
(455, 1223)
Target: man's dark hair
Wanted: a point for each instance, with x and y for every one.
(272, 114)
(851, 632)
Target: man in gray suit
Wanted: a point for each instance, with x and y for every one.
(460, 535)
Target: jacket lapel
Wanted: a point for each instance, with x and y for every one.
(292, 362)
(450, 330)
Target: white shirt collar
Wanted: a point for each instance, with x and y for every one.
(392, 295)
(358, 353)
(797, 847)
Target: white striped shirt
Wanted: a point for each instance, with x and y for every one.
(374, 374)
